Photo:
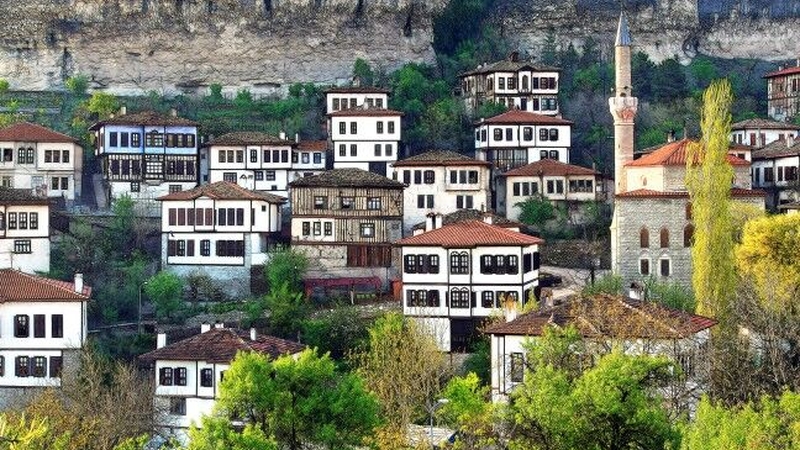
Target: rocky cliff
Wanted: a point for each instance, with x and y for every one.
(131, 46)
(763, 29)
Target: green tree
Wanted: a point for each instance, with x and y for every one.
(22, 433)
(469, 410)
(288, 310)
(298, 401)
(286, 266)
(338, 331)
(217, 433)
(77, 84)
(165, 291)
(669, 81)
(102, 104)
(536, 211)
(708, 180)
(643, 70)
(363, 72)
(4, 86)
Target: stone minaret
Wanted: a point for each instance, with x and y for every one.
(623, 105)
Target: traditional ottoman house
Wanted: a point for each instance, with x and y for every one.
(441, 182)
(355, 97)
(553, 180)
(514, 83)
(188, 372)
(783, 93)
(652, 230)
(775, 168)
(639, 327)
(309, 158)
(365, 138)
(44, 328)
(38, 158)
(345, 221)
(147, 155)
(457, 275)
(220, 230)
(760, 132)
(24, 231)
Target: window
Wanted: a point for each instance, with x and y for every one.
(664, 267)
(12, 221)
(320, 202)
(487, 299)
(230, 177)
(112, 139)
(501, 83)
(688, 235)
(165, 376)
(180, 376)
(367, 230)
(512, 264)
(22, 366)
(374, 203)
(342, 150)
(175, 188)
(417, 177)
(517, 370)
(306, 228)
(429, 176)
(464, 202)
(22, 246)
(483, 135)
(424, 201)
(407, 177)
(644, 238)
(258, 175)
(644, 266)
(21, 326)
(459, 263)
(38, 325)
(343, 127)
(269, 175)
(56, 363)
(8, 154)
(553, 134)
(410, 264)
(346, 202)
(379, 127)
(460, 298)
(664, 238)
(328, 226)
(527, 133)
(230, 248)
(353, 149)
(509, 134)
(135, 186)
(317, 228)
(353, 127)
(135, 139)
(335, 106)
(57, 325)
(317, 157)
(177, 406)
(206, 377)
(23, 221)
(205, 247)
(2, 366)
(498, 134)
(39, 366)
(377, 149)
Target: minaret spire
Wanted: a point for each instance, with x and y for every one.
(623, 105)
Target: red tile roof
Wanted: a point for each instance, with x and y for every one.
(16, 286)
(440, 158)
(223, 190)
(674, 154)
(649, 193)
(313, 146)
(146, 118)
(549, 167)
(366, 112)
(516, 116)
(220, 345)
(609, 316)
(470, 233)
(782, 72)
(31, 132)
(763, 124)
(356, 90)
(462, 215)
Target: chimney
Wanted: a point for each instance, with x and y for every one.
(430, 222)
(437, 220)
(205, 327)
(252, 334)
(635, 291)
(161, 340)
(219, 325)
(488, 218)
(173, 112)
(297, 137)
(670, 136)
(789, 140)
(123, 110)
(282, 135)
(79, 283)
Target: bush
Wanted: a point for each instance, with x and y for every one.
(165, 291)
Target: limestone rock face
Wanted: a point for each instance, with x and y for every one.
(133, 46)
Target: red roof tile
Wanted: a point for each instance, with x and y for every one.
(16, 286)
(516, 116)
(649, 193)
(470, 233)
(220, 345)
(223, 190)
(609, 316)
(440, 158)
(549, 167)
(313, 146)
(365, 112)
(31, 132)
(674, 154)
(782, 72)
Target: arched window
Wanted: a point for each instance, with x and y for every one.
(688, 211)
(524, 82)
(644, 238)
(664, 238)
(688, 235)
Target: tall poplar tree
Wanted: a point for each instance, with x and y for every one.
(708, 180)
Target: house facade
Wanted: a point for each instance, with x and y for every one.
(38, 158)
(514, 83)
(355, 97)
(551, 180)
(146, 155)
(260, 162)
(44, 328)
(24, 231)
(757, 133)
(441, 182)
(456, 275)
(516, 138)
(188, 372)
(774, 171)
(345, 221)
(783, 93)
(365, 138)
(637, 326)
(220, 230)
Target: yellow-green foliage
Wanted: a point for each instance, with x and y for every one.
(708, 180)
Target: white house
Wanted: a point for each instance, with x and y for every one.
(442, 182)
(219, 230)
(775, 170)
(456, 275)
(24, 231)
(760, 132)
(354, 97)
(515, 138)
(188, 372)
(638, 326)
(35, 157)
(261, 162)
(514, 83)
(550, 179)
(146, 155)
(365, 138)
(43, 323)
